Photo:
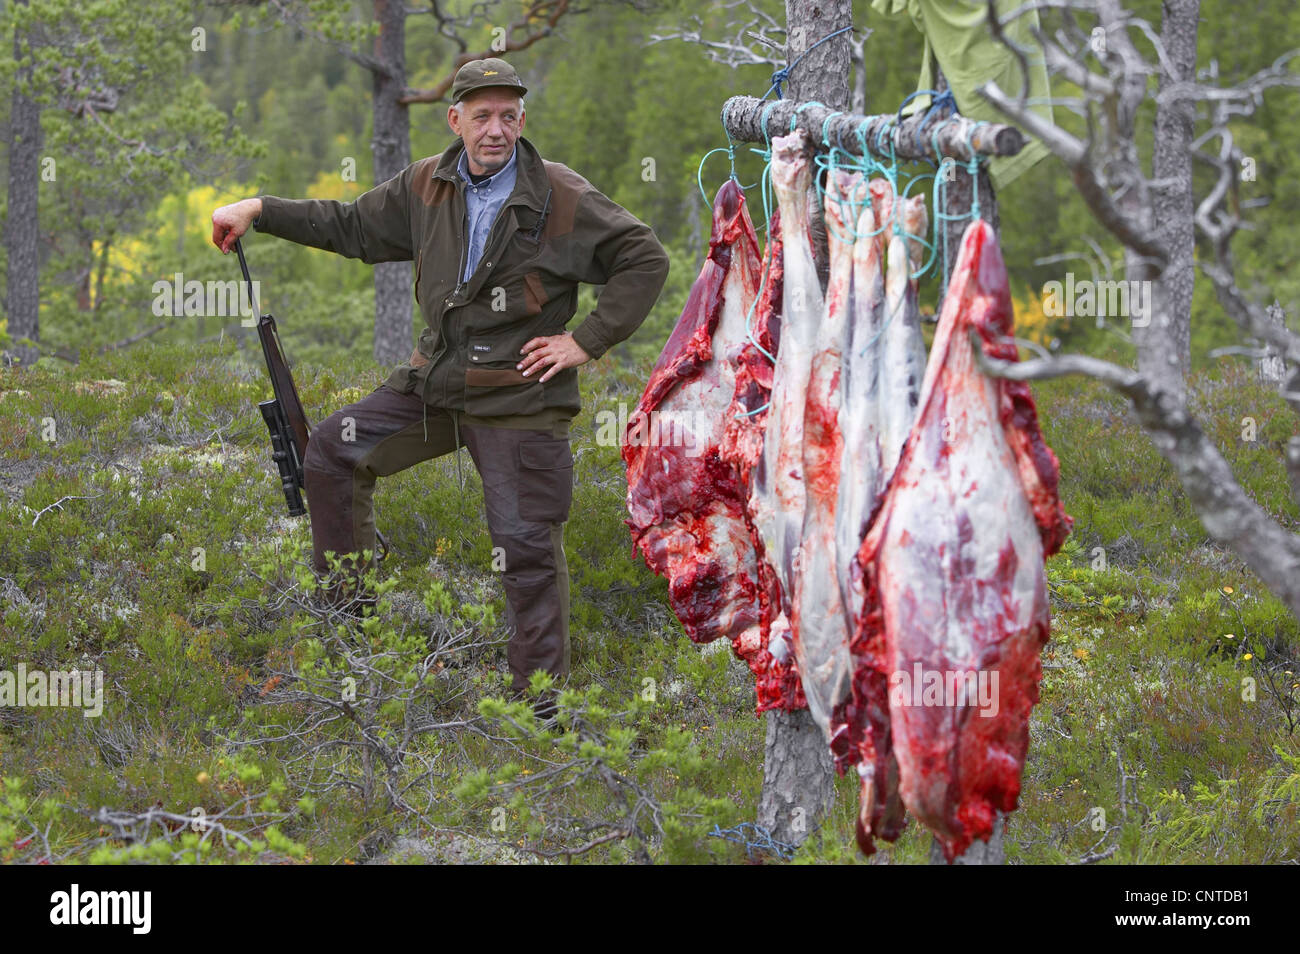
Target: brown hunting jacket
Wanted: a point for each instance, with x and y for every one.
(554, 231)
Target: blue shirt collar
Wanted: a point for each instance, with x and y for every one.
(462, 168)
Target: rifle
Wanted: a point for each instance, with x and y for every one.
(284, 415)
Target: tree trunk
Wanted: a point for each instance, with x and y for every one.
(821, 75)
(23, 296)
(1164, 344)
(85, 273)
(979, 852)
(391, 148)
(798, 775)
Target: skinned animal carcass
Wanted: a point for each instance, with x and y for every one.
(955, 611)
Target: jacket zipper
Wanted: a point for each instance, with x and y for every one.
(461, 283)
(460, 272)
(446, 302)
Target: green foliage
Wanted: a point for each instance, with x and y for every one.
(46, 831)
(1144, 676)
(604, 773)
(149, 539)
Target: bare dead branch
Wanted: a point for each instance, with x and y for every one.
(1227, 512)
(58, 505)
(757, 26)
(127, 342)
(1078, 156)
(1244, 98)
(520, 34)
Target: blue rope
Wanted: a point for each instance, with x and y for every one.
(794, 117)
(699, 176)
(767, 140)
(869, 161)
(755, 839)
(973, 168)
(783, 74)
(836, 157)
(932, 246)
(942, 100)
(730, 150)
(826, 124)
(920, 92)
(940, 189)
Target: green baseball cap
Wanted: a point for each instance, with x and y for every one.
(477, 74)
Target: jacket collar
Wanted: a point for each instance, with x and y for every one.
(532, 184)
(509, 169)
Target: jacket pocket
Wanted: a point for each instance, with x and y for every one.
(494, 352)
(545, 480)
(419, 259)
(493, 383)
(406, 378)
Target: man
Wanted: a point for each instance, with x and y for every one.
(501, 239)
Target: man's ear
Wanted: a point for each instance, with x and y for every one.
(453, 120)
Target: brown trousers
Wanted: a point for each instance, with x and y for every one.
(527, 474)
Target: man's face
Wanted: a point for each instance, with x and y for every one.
(490, 120)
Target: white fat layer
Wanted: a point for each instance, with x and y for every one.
(822, 625)
(777, 501)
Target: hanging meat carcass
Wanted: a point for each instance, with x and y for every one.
(820, 624)
(884, 361)
(956, 610)
(777, 500)
(860, 396)
(902, 349)
(684, 501)
(877, 396)
(777, 683)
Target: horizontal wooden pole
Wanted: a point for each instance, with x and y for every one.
(912, 138)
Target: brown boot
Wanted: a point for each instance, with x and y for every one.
(546, 708)
(544, 705)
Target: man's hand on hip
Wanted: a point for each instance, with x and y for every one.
(559, 351)
(231, 221)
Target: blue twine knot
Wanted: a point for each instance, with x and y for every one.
(780, 76)
(783, 74)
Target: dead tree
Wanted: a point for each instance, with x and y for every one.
(1152, 217)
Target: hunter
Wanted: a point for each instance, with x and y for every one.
(500, 238)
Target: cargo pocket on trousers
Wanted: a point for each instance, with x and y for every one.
(545, 480)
